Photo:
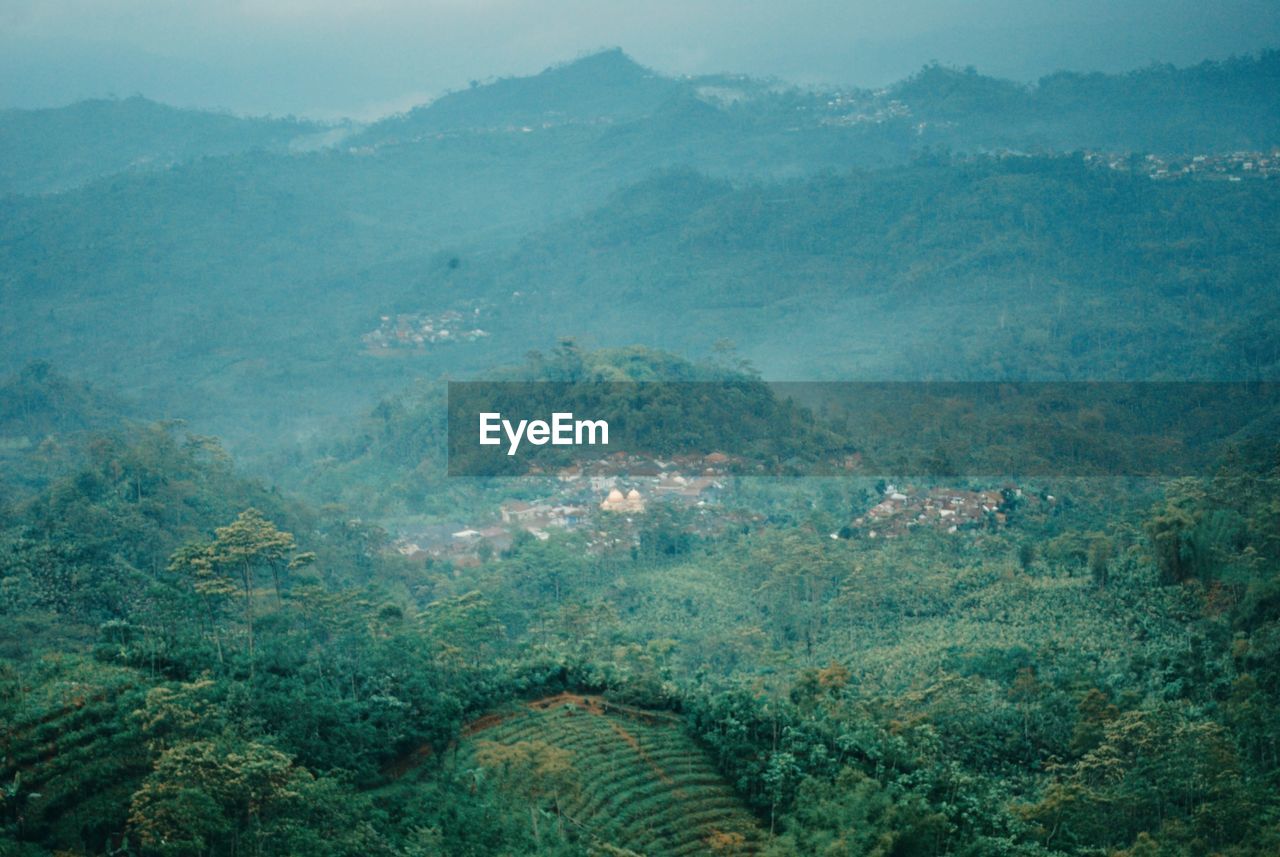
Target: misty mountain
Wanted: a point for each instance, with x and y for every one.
(255, 274)
(945, 643)
(56, 149)
(887, 274)
(1211, 107)
(610, 116)
(604, 87)
(47, 420)
(899, 273)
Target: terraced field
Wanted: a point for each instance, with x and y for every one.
(636, 780)
(66, 754)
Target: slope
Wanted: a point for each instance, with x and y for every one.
(60, 148)
(603, 87)
(638, 781)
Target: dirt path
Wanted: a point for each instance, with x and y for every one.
(589, 704)
(488, 721)
(640, 751)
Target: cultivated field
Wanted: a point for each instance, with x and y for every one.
(634, 779)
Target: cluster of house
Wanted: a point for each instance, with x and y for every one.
(630, 482)
(541, 516)
(858, 109)
(463, 546)
(408, 330)
(944, 509)
(616, 487)
(1236, 166)
(661, 477)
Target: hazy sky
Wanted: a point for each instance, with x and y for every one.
(366, 57)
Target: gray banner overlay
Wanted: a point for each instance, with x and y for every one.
(747, 426)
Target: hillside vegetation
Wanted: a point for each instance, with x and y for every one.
(623, 776)
(245, 609)
(1085, 274)
(43, 151)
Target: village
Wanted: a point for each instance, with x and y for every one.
(858, 109)
(417, 331)
(944, 509)
(1235, 166)
(604, 498)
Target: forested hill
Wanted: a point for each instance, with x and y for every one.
(196, 665)
(1211, 107)
(55, 149)
(608, 112)
(395, 662)
(260, 278)
(396, 456)
(608, 86)
(637, 208)
(39, 401)
(47, 422)
(1086, 272)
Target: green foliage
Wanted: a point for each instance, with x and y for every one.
(1157, 108)
(855, 815)
(53, 150)
(192, 663)
(627, 231)
(612, 774)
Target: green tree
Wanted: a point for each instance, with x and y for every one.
(1171, 527)
(230, 563)
(214, 796)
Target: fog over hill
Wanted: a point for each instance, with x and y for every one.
(256, 253)
(613, 113)
(327, 59)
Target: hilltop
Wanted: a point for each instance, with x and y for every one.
(1210, 107)
(605, 87)
(609, 112)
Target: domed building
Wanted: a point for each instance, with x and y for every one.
(617, 502)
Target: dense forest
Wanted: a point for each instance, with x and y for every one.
(245, 608)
